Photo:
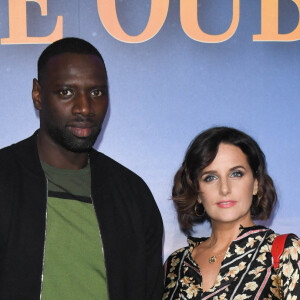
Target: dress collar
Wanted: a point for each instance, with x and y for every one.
(244, 232)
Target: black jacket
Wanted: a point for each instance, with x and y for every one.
(130, 226)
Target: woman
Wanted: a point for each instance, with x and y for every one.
(223, 178)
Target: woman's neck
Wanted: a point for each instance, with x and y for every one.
(224, 233)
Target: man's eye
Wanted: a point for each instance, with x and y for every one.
(237, 174)
(65, 92)
(209, 178)
(96, 93)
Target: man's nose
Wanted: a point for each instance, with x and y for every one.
(82, 104)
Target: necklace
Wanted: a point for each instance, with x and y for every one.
(213, 258)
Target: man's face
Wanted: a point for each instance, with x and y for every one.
(72, 100)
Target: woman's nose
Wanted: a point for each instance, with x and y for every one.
(224, 186)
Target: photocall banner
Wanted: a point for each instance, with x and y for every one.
(175, 68)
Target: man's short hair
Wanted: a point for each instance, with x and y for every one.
(65, 45)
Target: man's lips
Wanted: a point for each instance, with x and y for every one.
(81, 130)
(226, 203)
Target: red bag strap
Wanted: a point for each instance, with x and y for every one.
(277, 248)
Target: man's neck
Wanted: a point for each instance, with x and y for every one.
(59, 157)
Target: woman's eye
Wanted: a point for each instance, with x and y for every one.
(237, 174)
(209, 178)
(96, 93)
(65, 93)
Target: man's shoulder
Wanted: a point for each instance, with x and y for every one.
(25, 143)
(7, 152)
(110, 165)
(108, 170)
(20, 152)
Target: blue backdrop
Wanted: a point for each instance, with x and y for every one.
(166, 90)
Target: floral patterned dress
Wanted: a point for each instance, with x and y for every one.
(246, 272)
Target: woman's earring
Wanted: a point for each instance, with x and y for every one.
(199, 209)
(256, 198)
(255, 202)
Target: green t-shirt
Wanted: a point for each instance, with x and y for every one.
(73, 263)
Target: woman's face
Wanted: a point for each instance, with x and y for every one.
(227, 186)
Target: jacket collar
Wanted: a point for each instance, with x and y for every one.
(26, 153)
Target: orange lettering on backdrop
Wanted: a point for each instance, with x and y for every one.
(269, 24)
(190, 25)
(18, 24)
(108, 16)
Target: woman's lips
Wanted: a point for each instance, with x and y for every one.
(226, 204)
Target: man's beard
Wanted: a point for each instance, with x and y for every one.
(64, 137)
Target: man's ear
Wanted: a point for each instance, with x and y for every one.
(36, 94)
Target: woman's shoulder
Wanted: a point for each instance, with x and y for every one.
(291, 250)
(289, 267)
(177, 254)
(291, 240)
(192, 243)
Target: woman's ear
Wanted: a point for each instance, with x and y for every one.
(255, 187)
(199, 200)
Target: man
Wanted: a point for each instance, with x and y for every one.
(61, 201)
